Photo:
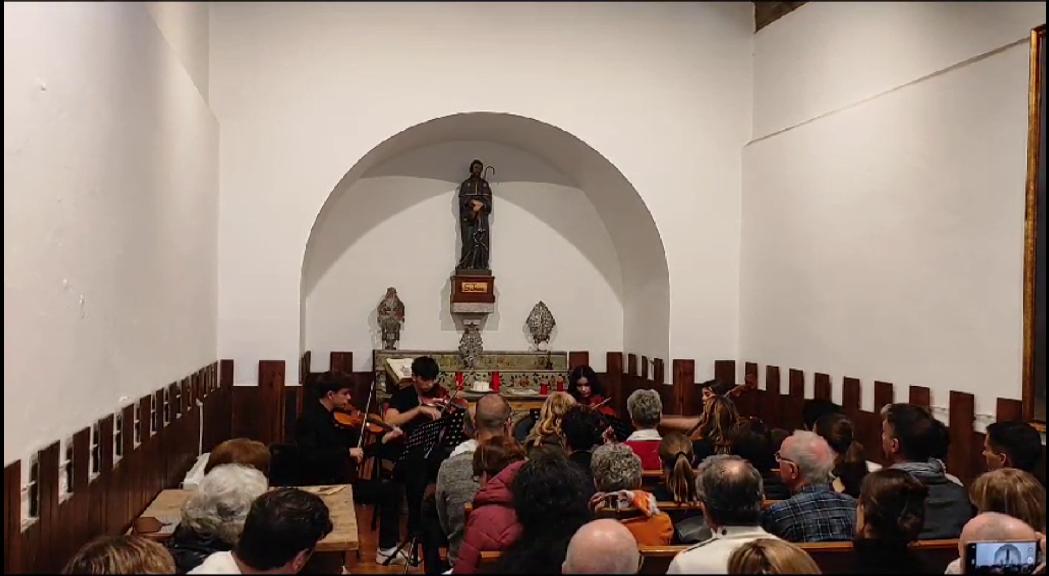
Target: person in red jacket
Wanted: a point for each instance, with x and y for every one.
(492, 525)
(646, 410)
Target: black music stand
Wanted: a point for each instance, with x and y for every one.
(444, 433)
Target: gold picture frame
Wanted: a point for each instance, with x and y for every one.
(1034, 224)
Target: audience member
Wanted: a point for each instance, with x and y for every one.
(213, 517)
(617, 475)
(910, 436)
(280, 533)
(121, 555)
(889, 518)
(240, 451)
(1013, 492)
(585, 387)
(551, 499)
(850, 466)
(717, 429)
(547, 431)
(679, 478)
(455, 480)
(754, 446)
(815, 513)
(1014, 445)
(583, 429)
(990, 527)
(493, 524)
(768, 556)
(814, 409)
(646, 410)
(602, 546)
(730, 493)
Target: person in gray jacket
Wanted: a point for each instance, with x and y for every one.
(456, 484)
(910, 438)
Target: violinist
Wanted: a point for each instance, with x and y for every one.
(421, 402)
(585, 387)
(329, 451)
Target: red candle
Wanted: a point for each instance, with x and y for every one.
(544, 387)
(459, 380)
(496, 381)
(560, 384)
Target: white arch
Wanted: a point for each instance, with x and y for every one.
(637, 242)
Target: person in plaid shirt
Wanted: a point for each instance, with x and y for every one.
(815, 512)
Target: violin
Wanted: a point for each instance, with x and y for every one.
(439, 397)
(355, 419)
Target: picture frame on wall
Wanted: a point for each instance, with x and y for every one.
(1034, 342)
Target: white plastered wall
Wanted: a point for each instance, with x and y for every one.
(883, 196)
(110, 215)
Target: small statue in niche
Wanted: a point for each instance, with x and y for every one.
(540, 324)
(390, 315)
(475, 205)
(470, 345)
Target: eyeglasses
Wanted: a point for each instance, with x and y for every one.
(781, 459)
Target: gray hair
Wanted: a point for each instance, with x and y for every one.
(731, 491)
(645, 408)
(812, 455)
(220, 505)
(616, 467)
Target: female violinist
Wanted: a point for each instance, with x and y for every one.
(587, 390)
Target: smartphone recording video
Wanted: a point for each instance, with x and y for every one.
(1002, 557)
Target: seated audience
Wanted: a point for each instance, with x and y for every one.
(646, 410)
(767, 556)
(850, 466)
(456, 484)
(990, 527)
(617, 475)
(547, 431)
(814, 409)
(1013, 492)
(717, 430)
(679, 478)
(493, 525)
(280, 533)
(586, 389)
(889, 518)
(214, 515)
(754, 446)
(602, 547)
(730, 493)
(910, 436)
(583, 429)
(240, 451)
(551, 499)
(121, 555)
(815, 513)
(1014, 445)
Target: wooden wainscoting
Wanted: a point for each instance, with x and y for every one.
(159, 439)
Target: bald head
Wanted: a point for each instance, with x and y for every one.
(994, 527)
(492, 414)
(809, 459)
(602, 547)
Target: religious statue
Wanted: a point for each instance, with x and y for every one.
(390, 315)
(540, 324)
(470, 345)
(475, 205)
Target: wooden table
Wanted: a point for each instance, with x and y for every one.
(343, 539)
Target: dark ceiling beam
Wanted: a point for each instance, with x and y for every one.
(766, 13)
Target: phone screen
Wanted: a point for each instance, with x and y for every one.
(1002, 557)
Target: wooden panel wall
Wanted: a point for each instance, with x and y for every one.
(157, 449)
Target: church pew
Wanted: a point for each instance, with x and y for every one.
(831, 557)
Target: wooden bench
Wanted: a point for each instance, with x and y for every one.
(831, 557)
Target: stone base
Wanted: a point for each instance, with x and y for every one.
(473, 308)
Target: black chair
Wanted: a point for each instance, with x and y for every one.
(524, 426)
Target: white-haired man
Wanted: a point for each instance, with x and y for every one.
(815, 512)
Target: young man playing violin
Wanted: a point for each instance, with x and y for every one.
(424, 401)
(329, 451)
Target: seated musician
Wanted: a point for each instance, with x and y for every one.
(587, 390)
(410, 407)
(329, 452)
